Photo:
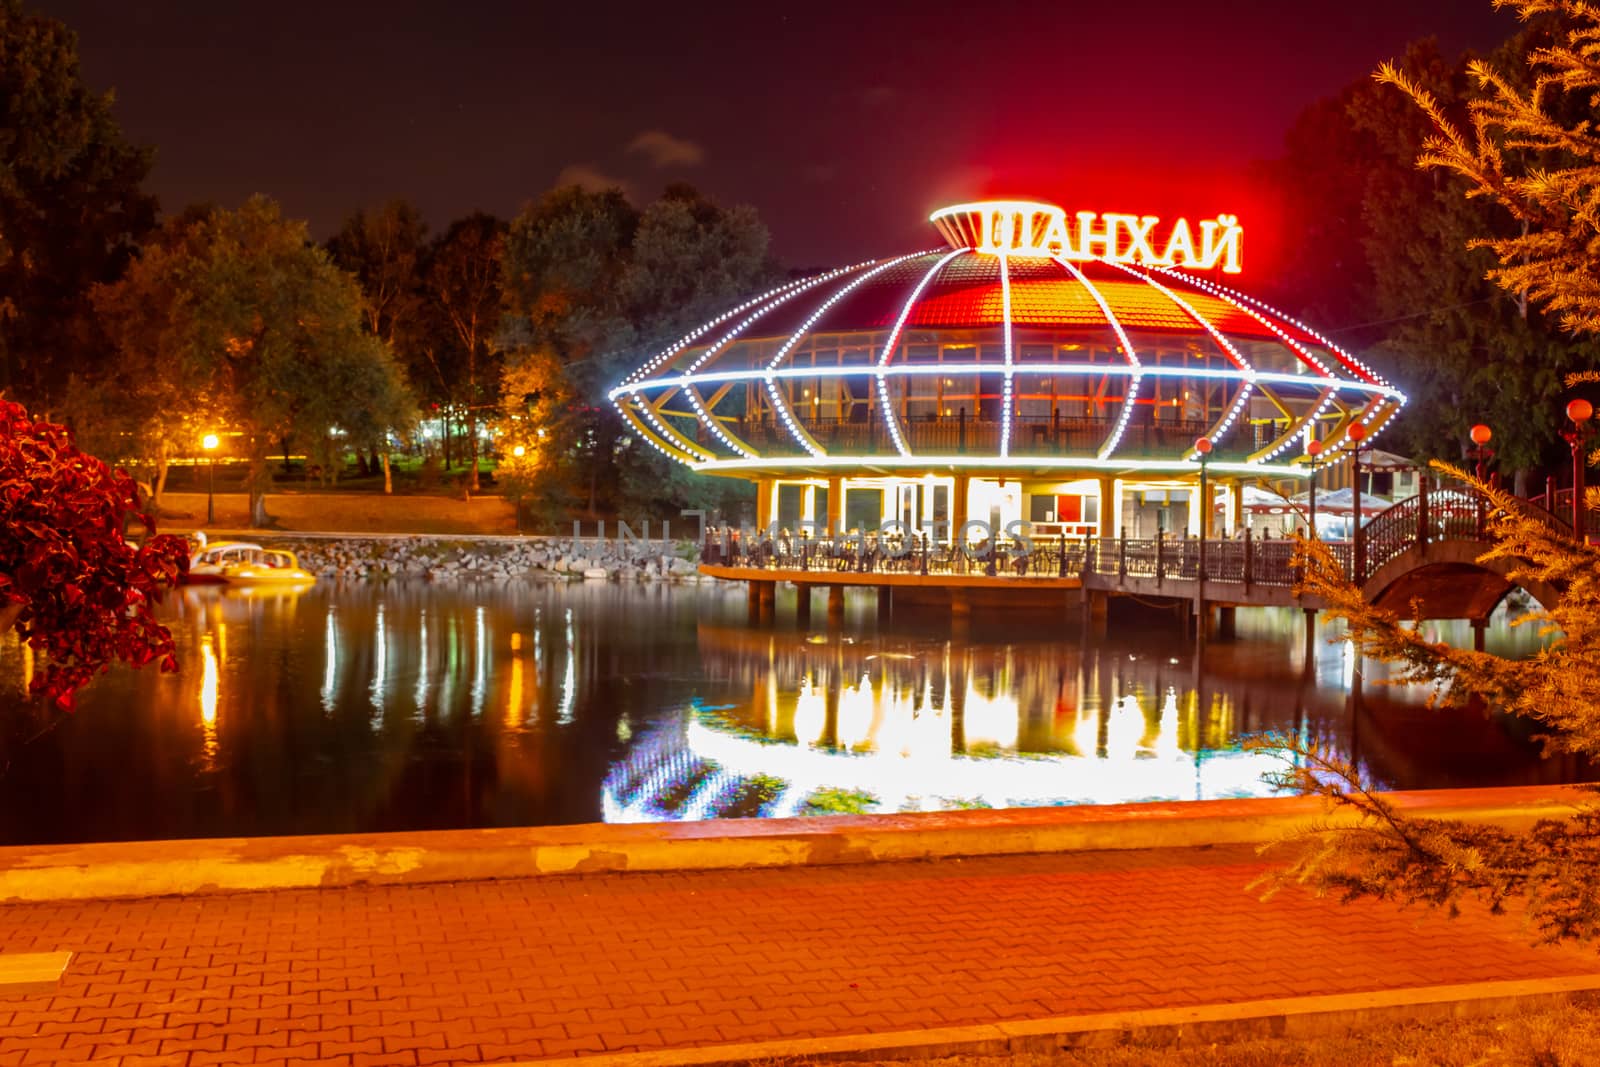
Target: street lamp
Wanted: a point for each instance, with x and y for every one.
(1580, 411)
(1481, 435)
(519, 452)
(1202, 445)
(209, 442)
(1357, 433)
(1314, 449)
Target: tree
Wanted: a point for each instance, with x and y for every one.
(255, 329)
(601, 286)
(463, 277)
(1532, 151)
(1553, 869)
(70, 205)
(1393, 256)
(384, 250)
(535, 406)
(1531, 148)
(81, 593)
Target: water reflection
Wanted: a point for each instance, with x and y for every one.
(407, 706)
(891, 725)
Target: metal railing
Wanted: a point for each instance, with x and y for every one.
(1456, 513)
(1248, 560)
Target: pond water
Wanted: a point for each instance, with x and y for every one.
(348, 708)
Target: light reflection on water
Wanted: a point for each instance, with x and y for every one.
(410, 706)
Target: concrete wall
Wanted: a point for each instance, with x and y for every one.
(346, 513)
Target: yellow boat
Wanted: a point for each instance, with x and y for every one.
(244, 563)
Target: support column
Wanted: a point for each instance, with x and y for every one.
(835, 505)
(958, 506)
(885, 603)
(764, 495)
(767, 595)
(1236, 508)
(1480, 631)
(960, 609)
(808, 504)
(835, 605)
(1110, 504)
(1226, 621)
(1311, 637)
(1095, 609)
(802, 603)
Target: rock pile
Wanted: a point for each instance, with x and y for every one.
(494, 558)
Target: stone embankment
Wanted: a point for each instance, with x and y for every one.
(493, 558)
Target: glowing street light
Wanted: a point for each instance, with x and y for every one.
(1202, 446)
(1357, 433)
(209, 442)
(519, 451)
(1314, 449)
(1580, 411)
(1481, 436)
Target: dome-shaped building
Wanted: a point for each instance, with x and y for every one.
(1045, 369)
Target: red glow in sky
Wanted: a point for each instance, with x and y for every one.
(843, 124)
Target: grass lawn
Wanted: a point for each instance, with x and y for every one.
(1562, 1037)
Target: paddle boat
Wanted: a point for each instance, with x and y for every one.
(245, 563)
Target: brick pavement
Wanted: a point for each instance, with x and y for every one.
(484, 971)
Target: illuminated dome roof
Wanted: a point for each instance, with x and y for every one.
(1019, 346)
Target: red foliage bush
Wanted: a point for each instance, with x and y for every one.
(83, 591)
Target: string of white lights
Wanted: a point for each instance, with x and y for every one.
(1019, 463)
(670, 432)
(1248, 305)
(1010, 360)
(1131, 394)
(701, 330)
(1351, 362)
(779, 405)
(947, 370)
(889, 417)
(686, 379)
(648, 438)
(1249, 375)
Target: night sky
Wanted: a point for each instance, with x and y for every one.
(844, 124)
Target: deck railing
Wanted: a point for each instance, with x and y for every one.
(1454, 513)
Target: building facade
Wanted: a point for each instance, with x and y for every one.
(1060, 372)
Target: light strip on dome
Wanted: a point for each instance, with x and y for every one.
(1012, 463)
(1298, 426)
(685, 379)
(1131, 394)
(781, 406)
(953, 371)
(670, 432)
(1351, 362)
(687, 458)
(1006, 375)
(889, 417)
(1249, 375)
(700, 331)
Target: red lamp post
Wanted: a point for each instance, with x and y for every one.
(1202, 446)
(1357, 433)
(1314, 449)
(1580, 411)
(1481, 436)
